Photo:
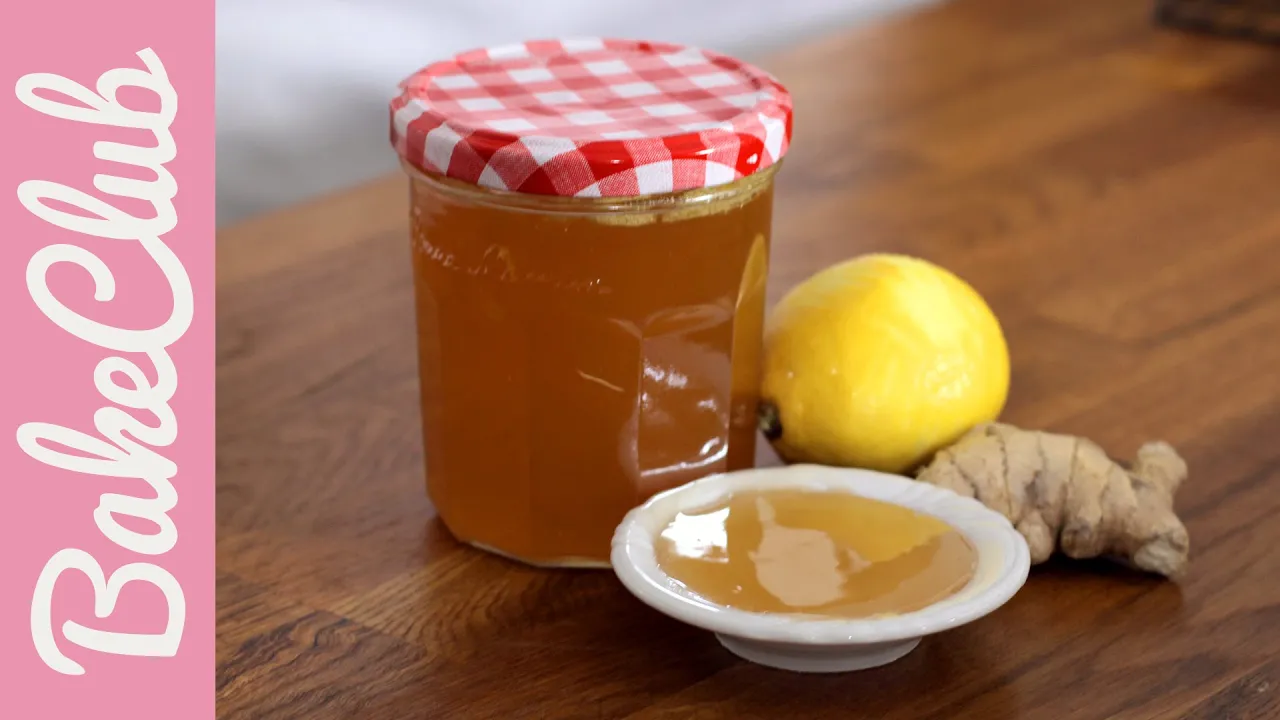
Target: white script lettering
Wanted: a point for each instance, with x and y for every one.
(124, 449)
(105, 594)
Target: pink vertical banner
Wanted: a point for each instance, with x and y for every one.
(107, 312)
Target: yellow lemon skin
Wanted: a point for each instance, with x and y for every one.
(878, 362)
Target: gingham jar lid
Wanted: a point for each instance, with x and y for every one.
(591, 118)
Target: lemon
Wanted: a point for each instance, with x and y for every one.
(878, 362)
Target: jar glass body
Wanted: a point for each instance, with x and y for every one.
(579, 355)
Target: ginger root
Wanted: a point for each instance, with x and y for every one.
(1063, 491)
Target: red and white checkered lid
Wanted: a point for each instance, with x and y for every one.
(591, 118)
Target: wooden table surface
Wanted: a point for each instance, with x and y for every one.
(1113, 189)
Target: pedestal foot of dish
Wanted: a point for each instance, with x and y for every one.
(817, 658)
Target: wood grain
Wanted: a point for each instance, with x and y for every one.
(1112, 188)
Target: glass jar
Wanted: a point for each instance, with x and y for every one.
(580, 354)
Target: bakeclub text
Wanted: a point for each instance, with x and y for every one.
(135, 423)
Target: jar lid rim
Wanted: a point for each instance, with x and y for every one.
(591, 117)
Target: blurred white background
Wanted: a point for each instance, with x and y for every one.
(302, 87)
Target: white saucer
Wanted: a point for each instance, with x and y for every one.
(808, 644)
